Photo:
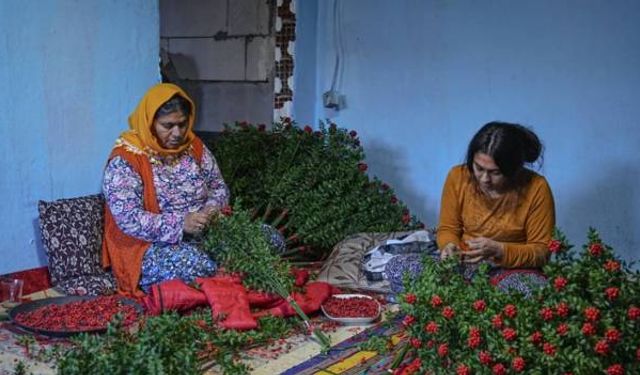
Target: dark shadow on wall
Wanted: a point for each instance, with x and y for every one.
(391, 166)
(37, 237)
(170, 74)
(609, 203)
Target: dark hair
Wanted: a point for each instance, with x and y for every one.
(510, 145)
(176, 104)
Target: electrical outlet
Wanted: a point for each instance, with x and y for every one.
(332, 99)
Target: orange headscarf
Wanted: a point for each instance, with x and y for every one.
(140, 135)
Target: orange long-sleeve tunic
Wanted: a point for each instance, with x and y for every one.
(525, 230)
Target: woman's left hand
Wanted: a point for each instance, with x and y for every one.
(482, 248)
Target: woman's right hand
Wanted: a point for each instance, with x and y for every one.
(449, 250)
(195, 222)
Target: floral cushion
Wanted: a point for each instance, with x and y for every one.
(72, 237)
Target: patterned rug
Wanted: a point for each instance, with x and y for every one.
(346, 357)
(297, 354)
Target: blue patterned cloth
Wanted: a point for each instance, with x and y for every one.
(275, 237)
(185, 262)
(524, 281)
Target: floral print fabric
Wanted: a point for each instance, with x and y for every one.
(524, 281)
(72, 236)
(182, 185)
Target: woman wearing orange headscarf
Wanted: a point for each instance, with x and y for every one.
(161, 186)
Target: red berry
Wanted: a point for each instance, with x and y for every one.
(430, 344)
(484, 357)
(463, 370)
(595, 249)
(612, 293)
(510, 311)
(562, 329)
(633, 313)
(536, 337)
(416, 343)
(588, 329)
(546, 313)
(555, 246)
(592, 314)
(518, 364)
(549, 349)
(497, 321)
(612, 335)
(612, 266)
(436, 301)
(562, 309)
(559, 283)
(474, 342)
(408, 320)
(443, 350)
(509, 334)
(448, 312)
(499, 369)
(602, 347)
(616, 369)
(479, 305)
(431, 327)
(410, 298)
(474, 332)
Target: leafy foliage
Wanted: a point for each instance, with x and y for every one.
(238, 243)
(167, 344)
(318, 177)
(585, 321)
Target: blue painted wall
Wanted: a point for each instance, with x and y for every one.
(420, 77)
(71, 72)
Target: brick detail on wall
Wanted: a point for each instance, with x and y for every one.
(284, 65)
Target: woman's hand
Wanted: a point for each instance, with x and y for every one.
(195, 222)
(449, 250)
(482, 248)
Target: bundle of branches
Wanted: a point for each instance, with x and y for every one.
(318, 177)
(239, 244)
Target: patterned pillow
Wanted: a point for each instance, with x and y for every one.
(72, 237)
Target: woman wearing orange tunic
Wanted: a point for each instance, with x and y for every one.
(496, 210)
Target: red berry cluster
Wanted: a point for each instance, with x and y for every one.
(596, 249)
(592, 314)
(555, 246)
(85, 315)
(479, 305)
(431, 327)
(353, 307)
(546, 313)
(559, 283)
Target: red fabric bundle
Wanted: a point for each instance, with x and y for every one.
(262, 300)
(229, 301)
(172, 295)
(309, 301)
(301, 276)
